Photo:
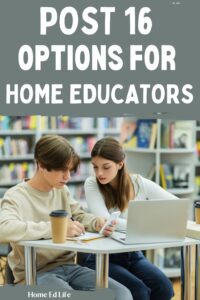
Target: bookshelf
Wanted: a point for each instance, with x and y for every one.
(197, 162)
(19, 134)
(17, 137)
(147, 161)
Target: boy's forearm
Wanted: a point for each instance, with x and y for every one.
(15, 230)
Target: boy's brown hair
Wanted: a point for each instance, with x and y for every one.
(54, 152)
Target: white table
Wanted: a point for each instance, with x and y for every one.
(102, 248)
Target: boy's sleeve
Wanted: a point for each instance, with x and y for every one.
(13, 229)
(78, 214)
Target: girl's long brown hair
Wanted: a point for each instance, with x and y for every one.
(111, 149)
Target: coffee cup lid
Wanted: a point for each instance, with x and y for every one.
(197, 204)
(59, 213)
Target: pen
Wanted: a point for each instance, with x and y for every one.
(73, 221)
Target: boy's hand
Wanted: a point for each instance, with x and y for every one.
(74, 228)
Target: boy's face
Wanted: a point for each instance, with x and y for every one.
(56, 178)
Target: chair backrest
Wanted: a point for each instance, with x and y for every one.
(4, 251)
(2, 192)
(9, 278)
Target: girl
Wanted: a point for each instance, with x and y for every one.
(111, 190)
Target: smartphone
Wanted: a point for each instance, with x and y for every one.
(113, 216)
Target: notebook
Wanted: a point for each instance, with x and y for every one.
(86, 237)
(151, 221)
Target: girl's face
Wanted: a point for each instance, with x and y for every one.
(106, 170)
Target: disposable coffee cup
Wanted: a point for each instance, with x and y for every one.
(197, 212)
(59, 223)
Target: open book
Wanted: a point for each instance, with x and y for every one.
(87, 236)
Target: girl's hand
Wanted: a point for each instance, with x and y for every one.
(99, 223)
(109, 229)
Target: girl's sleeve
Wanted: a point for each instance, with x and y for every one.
(96, 204)
(154, 191)
(95, 201)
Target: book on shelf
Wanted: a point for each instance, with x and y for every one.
(23, 123)
(183, 134)
(4, 122)
(159, 257)
(32, 122)
(198, 148)
(162, 177)
(143, 133)
(152, 173)
(172, 258)
(168, 173)
(15, 172)
(108, 122)
(65, 122)
(82, 144)
(77, 191)
(197, 185)
(1, 147)
(165, 134)
(91, 140)
(139, 134)
(127, 132)
(153, 136)
(171, 134)
(84, 170)
(53, 122)
(87, 123)
(42, 123)
(177, 134)
(13, 146)
(181, 176)
(168, 258)
(18, 122)
(174, 176)
(132, 143)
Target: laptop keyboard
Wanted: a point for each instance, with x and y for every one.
(119, 235)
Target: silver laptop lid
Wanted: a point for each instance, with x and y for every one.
(156, 221)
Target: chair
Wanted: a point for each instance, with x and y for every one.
(4, 251)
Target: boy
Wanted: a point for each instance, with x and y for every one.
(24, 215)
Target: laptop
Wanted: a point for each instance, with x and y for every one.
(151, 221)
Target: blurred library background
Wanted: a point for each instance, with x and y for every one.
(165, 151)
